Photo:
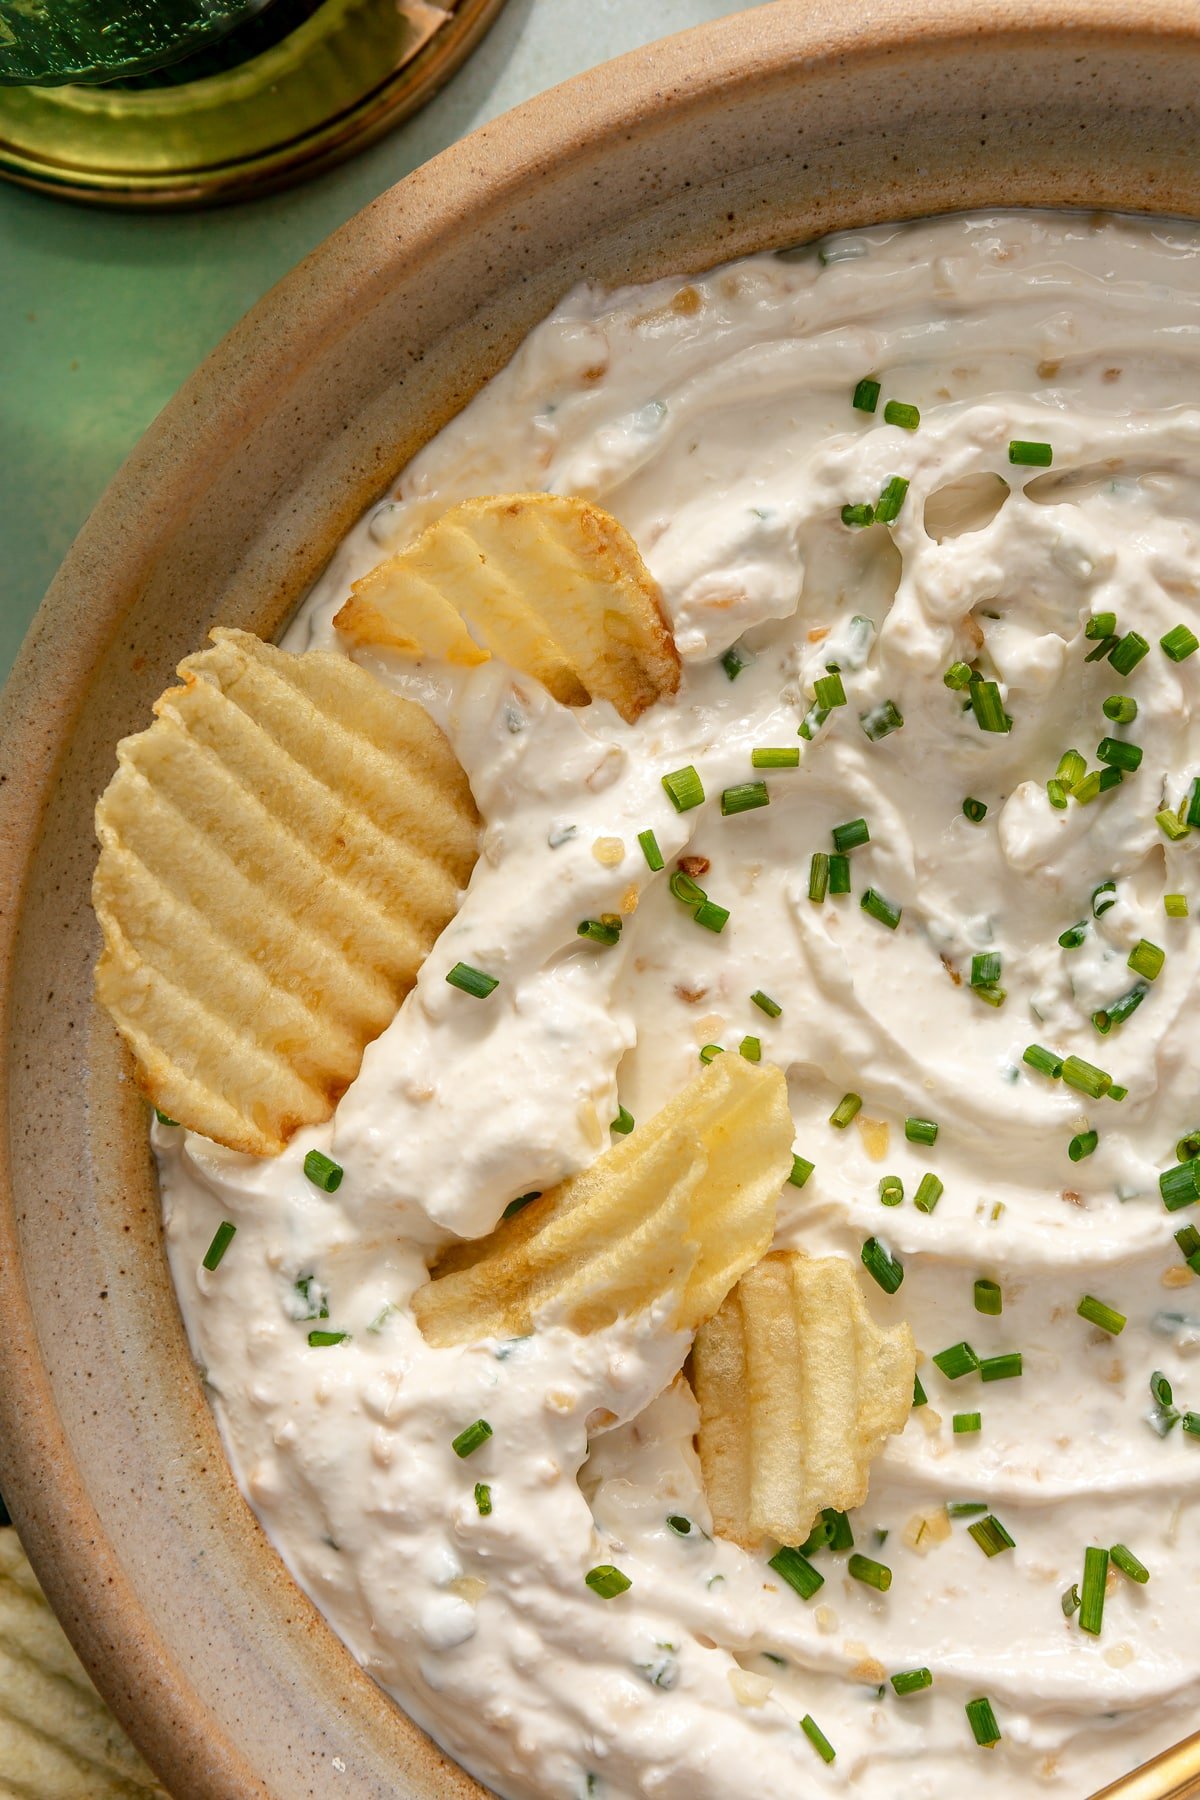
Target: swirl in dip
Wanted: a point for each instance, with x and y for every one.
(714, 417)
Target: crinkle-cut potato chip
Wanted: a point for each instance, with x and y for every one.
(682, 1206)
(279, 851)
(797, 1388)
(58, 1741)
(547, 582)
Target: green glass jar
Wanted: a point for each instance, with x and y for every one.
(46, 43)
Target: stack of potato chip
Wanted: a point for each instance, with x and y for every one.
(58, 1741)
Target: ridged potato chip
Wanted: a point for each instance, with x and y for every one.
(548, 583)
(682, 1206)
(58, 1741)
(279, 851)
(798, 1389)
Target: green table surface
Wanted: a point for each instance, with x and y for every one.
(103, 315)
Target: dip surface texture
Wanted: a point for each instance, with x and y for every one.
(714, 417)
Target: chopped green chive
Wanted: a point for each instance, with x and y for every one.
(988, 1298)
(1121, 709)
(483, 1499)
(989, 993)
(1192, 815)
(929, 1192)
(881, 909)
(871, 1573)
(709, 1051)
(685, 889)
(1171, 826)
(223, 1236)
(920, 1131)
(1180, 1186)
(1188, 1240)
(679, 1525)
(817, 1738)
(900, 412)
(1082, 1144)
(1147, 959)
(711, 916)
(1179, 643)
(991, 1536)
(1101, 625)
(851, 835)
(988, 707)
(957, 1361)
(982, 1721)
(866, 395)
(751, 1049)
(651, 851)
(745, 797)
(965, 1424)
(839, 874)
(783, 758)
(958, 676)
(801, 1170)
(684, 788)
(886, 1269)
(860, 513)
(607, 1581)
(734, 661)
(1046, 1062)
(845, 1110)
(470, 1439)
(975, 810)
(1188, 1147)
(472, 981)
(1085, 1077)
(911, 1681)
(1118, 1012)
(891, 1190)
(828, 691)
(1100, 781)
(1073, 936)
(985, 969)
(165, 1118)
(325, 1340)
(623, 1123)
(1069, 1600)
(1005, 1367)
(1097, 1313)
(519, 1204)
(920, 1397)
(1175, 906)
(604, 930)
(1191, 1424)
(1129, 652)
(891, 499)
(1104, 648)
(882, 720)
(765, 1004)
(1119, 755)
(1116, 1092)
(323, 1172)
(1095, 1580)
(832, 1531)
(1029, 454)
(818, 877)
(965, 1509)
(1124, 1559)
(797, 1571)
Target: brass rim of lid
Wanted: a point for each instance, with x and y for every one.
(343, 78)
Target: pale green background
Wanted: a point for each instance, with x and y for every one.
(103, 315)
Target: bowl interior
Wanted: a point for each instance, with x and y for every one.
(764, 129)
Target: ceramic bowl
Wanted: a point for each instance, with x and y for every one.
(767, 128)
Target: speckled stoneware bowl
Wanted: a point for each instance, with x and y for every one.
(767, 128)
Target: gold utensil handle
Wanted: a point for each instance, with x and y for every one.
(1175, 1775)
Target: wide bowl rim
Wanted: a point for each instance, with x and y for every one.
(568, 125)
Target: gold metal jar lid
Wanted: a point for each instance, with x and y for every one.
(342, 78)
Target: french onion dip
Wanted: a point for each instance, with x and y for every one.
(924, 505)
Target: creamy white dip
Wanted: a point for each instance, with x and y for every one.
(714, 418)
